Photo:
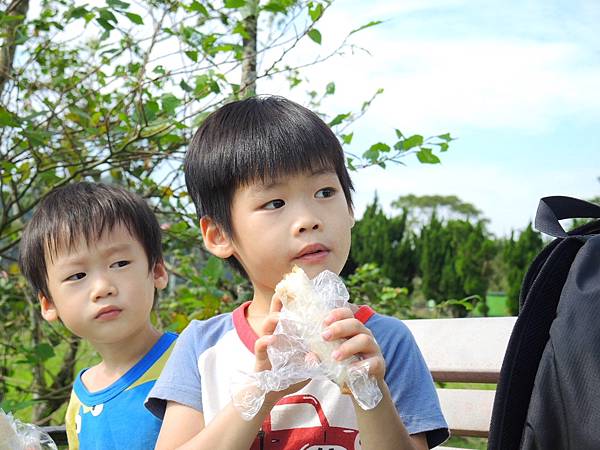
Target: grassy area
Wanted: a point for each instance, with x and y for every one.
(467, 442)
(497, 304)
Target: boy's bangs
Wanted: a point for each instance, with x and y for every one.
(269, 151)
(65, 235)
(272, 165)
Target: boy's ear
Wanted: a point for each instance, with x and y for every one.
(160, 274)
(49, 311)
(215, 239)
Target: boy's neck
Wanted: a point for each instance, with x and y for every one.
(259, 308)
(118, 358)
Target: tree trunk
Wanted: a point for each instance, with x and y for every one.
(9, 45)
(248, 84)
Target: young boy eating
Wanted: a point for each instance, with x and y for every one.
(92, 254)
(271, 190)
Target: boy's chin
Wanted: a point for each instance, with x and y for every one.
(312, 271)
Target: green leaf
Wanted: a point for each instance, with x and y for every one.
(443, 146)
(76, 13)
(37, 137)
(170, 103)
(234, 3)
(316, 12)
(117, 4)
(106, 25)
(426, 156)
(170, 139)
(135, 18)
(151, 108)
(8, 119)
(347, 138)
(186, 87)
(330, 89)
(445, 137)
(372, 155)
(368, 25)
(338, 119)
(192, 54)
(43, 351)
(198, 7)
(107, 15)
(399, 134)
(380, 147)
(275, 7)
(350, 164)
(414, 141)
(315, 35)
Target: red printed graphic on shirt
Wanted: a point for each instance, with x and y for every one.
(318, 435)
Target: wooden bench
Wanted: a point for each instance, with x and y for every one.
(456, 350)
(467, 351)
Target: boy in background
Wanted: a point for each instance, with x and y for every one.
(92, 254)
(271, 189)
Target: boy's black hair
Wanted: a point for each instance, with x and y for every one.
(83, 209)
(259, 138)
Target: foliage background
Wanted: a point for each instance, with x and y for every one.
(112, 91)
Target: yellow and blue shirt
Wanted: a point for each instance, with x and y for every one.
(115, 417)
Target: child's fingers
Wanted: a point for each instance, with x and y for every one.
(338, 314)
(260, 353)
(376, 366)
(276, 304)
(361, 344)
(344, 329)
(269, 324)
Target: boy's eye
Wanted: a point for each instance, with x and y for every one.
(76, 276)
(120, 264)
(274, 204)
(325, 193)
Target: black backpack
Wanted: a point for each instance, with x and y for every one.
(548, 396)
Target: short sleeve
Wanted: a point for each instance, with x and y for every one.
(409, 380)
(179, 380)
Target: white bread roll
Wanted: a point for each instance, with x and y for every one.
(298, 295)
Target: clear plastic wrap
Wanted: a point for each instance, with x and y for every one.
(298, 351)
(16, 435)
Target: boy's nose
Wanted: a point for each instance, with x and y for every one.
(306, 223)
(103, 288)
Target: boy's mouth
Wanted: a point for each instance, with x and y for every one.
(313, 251)
(108, 313)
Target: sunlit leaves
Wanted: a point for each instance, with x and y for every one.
(234, 3)
(315, 35)
(338, 119)
(7, 119)
(368, 25)
(315, 11)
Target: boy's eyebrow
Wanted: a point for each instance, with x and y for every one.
(72, 260)
(116, 248)
(273, 183)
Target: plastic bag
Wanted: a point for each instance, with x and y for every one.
(299, 352)
(16, 435)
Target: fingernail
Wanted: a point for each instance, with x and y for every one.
(326, 334)
(336, 355)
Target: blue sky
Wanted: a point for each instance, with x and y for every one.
(515, 81)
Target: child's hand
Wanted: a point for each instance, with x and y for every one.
(266, 336)
(341, 324)
(260, 349)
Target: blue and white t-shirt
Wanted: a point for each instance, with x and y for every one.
(209, 353)
(115, 417)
